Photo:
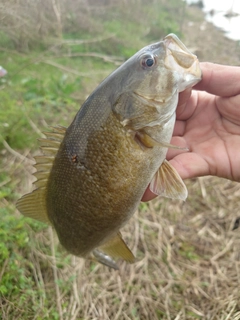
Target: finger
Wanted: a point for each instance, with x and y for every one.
(184, 96)
(179, 129)
(230, 110)
(190, 165)
(179, 142)
(219, 80)
(182, 101)
(186, 110)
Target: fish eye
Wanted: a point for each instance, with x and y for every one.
(147, 61)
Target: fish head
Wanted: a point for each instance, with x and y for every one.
(153, 78)
(162, 69)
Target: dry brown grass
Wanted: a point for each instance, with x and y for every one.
(188, 261)
(28, 23)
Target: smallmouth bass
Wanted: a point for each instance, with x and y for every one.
(93, 174)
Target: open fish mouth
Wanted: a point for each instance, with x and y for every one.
(181, 58)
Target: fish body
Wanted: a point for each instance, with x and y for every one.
(94, 173)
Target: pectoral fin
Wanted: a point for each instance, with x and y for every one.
(147, 141)
(167, 182)
(114, 248)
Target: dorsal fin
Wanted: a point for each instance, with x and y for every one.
(33, 204)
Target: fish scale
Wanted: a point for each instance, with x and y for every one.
(93, 174)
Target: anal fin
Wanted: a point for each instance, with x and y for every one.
(115, 248)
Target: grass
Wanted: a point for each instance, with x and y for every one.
(188, 255)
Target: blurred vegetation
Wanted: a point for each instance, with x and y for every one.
(26, 25)
(55, 53)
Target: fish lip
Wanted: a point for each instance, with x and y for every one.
(182, 46)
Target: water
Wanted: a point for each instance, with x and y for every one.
(215, 13)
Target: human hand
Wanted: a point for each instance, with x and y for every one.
(208, 124)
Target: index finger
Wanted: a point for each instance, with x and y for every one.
(219, 79)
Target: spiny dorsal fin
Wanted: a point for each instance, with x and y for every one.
(33, 204)
(167, 183)
(42, 166)
(49, 148)
(58, 129)
(43, 159)
(116, 248)
(49, 143)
